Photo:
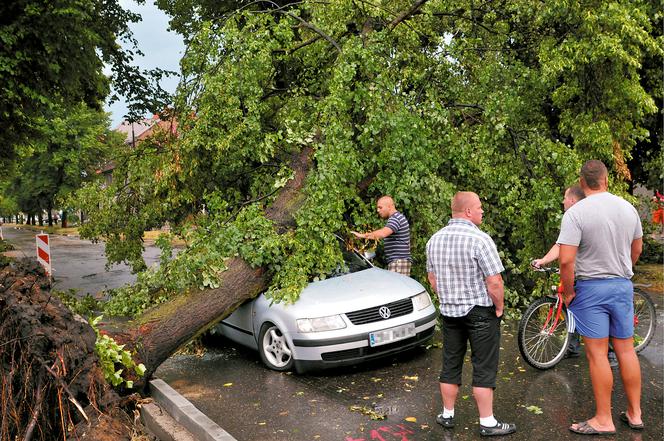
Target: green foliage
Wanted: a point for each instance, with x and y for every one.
(84, 306)
(5, 246)
(653, 251)
(4, 260)
(72, 145)
(506, 101)
(115, 361)
(654, 167)
(53, 54)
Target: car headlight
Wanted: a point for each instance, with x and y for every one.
(421, 301)
(329, 323)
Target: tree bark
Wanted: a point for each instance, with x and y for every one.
(159, 332)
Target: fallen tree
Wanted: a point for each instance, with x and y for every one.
(160, 331)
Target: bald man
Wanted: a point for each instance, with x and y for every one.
(464, 270)
(601, 239)
(396, 234)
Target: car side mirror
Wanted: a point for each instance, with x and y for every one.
(368, 254)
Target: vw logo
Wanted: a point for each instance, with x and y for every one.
(384, 312)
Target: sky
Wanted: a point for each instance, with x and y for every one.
(160, 48)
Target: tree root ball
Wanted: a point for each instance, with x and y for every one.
(52, 386)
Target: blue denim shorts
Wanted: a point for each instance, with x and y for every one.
(604, 308)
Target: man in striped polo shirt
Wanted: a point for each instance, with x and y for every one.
(396, 234)
(464, 269)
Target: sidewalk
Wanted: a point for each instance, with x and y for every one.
(149, 237)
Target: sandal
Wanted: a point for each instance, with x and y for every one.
(625, 419)
(585, 428)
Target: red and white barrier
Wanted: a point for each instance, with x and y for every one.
(44, 252)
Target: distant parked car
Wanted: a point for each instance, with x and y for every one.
(359, 313)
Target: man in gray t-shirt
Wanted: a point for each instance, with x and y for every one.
(600, 240)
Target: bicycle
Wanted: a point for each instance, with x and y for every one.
(545, 328)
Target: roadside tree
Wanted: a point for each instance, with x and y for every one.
(53, 54)
(72, 145)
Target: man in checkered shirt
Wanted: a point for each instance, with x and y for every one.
(464, 270)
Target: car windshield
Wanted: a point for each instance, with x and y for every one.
(352, 262)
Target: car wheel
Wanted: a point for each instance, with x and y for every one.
(274, 349)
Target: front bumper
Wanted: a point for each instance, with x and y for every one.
(348, 351)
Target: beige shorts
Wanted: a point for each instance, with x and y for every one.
(401, 266)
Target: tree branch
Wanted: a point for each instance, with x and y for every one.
(279, 9)
(315, 29)
(407, 13)
(472, 20)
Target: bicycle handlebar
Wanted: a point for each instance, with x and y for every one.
(544, 269)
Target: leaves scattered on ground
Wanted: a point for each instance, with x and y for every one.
(371, 413)
(535, 409)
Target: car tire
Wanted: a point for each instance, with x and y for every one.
(274, 349)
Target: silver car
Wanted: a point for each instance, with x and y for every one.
(357, 314)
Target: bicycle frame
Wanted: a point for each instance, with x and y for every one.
(558, 307)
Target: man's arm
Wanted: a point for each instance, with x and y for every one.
(432, 282)
(374, 235)
(567, 260)
(496, 290)
(637, 248)
(549, 257)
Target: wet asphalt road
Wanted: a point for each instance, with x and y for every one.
(77, 264)
(231, 386)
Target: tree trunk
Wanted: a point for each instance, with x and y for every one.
(161, 331)
(64, 218)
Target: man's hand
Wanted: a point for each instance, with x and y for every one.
(432, 282)
(537, 263)
(374, 235)
(567, 298)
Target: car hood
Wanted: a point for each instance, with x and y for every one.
(352, 292)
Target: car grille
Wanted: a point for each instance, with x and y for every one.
(368, 351)
(370, 315)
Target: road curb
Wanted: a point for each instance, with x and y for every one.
(161, 425)
(181, 410)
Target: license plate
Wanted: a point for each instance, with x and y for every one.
(392, 334)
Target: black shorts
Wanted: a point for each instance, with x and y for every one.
(482, 328)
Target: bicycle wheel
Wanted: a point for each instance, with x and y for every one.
(645, 320)
(543, 340)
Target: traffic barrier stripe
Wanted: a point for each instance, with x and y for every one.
(43, 255)
(44, 252)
